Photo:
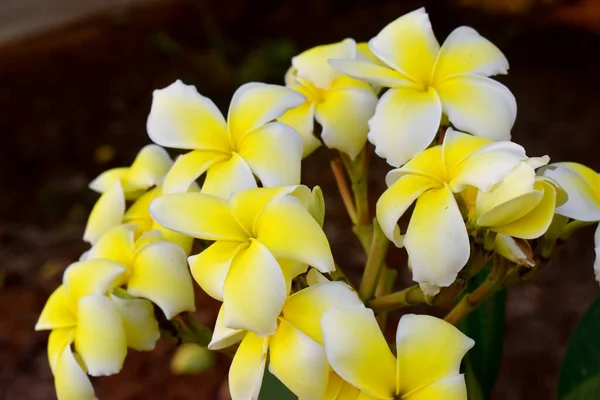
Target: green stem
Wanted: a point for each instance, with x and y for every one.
(385, 286)
(375, 260)
(407, 297)
(340, 180)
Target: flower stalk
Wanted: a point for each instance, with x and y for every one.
(375, 259)
(410, 296)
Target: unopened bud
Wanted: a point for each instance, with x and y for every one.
(190, 358)
(516, 250)
(316, 205)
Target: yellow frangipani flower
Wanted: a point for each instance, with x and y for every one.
(100, 327)
(429, 352)
(148, 169)
(340, 104)
(230, 152)
(436, 240)
(263, 237)
(296, 354)
(427, 80)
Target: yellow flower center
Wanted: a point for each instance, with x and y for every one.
(313, 93)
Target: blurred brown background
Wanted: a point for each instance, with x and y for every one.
(76, 79)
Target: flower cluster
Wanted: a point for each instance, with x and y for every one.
(231, 215)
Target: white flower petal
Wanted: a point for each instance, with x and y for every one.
(248, 367)
(222, 336)
(372, 73)
(228, 177)
(312, 64)
(107, 213)
(187, 168)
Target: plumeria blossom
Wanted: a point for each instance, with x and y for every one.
(230, 152)
(426, 80)
(296, 354)
(429, 352)
(100, 326)
(264, 237)
(147, 170)
(436, 240)
(340, 104)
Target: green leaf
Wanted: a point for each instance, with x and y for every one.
(273, 389)
(580, 371)
(485, 326)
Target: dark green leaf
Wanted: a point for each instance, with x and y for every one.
(580, 371)
(273, 389)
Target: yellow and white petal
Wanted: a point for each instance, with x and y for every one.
(511, 210)
(408, 45)
(372, 72)
(465, 51)
(582, 204)
(70, 380)
(427, 163)
(449, 388)
(457, 146)
(394, 202)
(305, 308)
(486, 166)
(197, 215)
(181, 240)
(314, 277)
(358, 352)
(141, 327)
(210, 267)
(302, 119)
(254, 104)
(222, 336)
(57, 341)
(57, 313)
(312, 64)
(188, 167)
(105, 180)
(100, 336)
(428, 349)
(274, 154)
(227, 177)
(404, 124)
(106, 213)
(138, 213)
(287, 229)
(516, 250)
(182, 118)
(148, 169)
(95, 276)
(160, 274)
(436, 239)
(254, 291)
(298, 362)
(248, 367)
(478, 105)
(344, 115)
(589, 175)
(115, 245)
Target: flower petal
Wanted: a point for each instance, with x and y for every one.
(254, 291)
(394, 202)
(95, 276)
(304, 309)
(274, 154)
(57, 312)
(100, 337)
(436, 239)
(197, 215)
(182, 118)
(227, 177)
(457, 146)
(428, 349)
(149, 168)
(210, 267)
(248, 367)
(371, 72)
(141, 327)
(187, 168)
(287, 229)
(312, 64)
(57, 341)
(298, 362)
(222, 336)
(106, 213)
(70, 380)
(511, 210)
(344, 115)
(160, 274)
(467, 52)
(478, 105)
(358, 352)
(404, 124)
(105, 180)
(115, 245)
(302, 120)
(449, 388)
(518, 251)
(408, 45)
(254, 104)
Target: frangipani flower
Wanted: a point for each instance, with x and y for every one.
(427, 80)
(263, 237)
(295, 349)
(148, 169)
(231, 152)
(100, 327)
(436, 240)
(429, 352)
(340, 104)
